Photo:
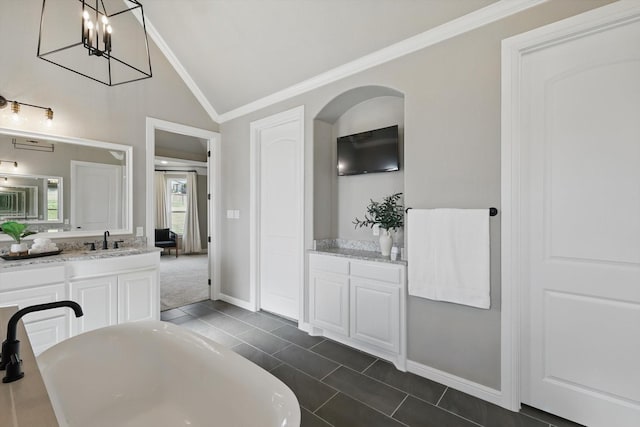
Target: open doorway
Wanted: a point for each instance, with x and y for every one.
(182, 192)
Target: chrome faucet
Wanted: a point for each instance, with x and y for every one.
(105, 244)
(10, 360)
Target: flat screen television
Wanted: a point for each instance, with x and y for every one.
(369, 152)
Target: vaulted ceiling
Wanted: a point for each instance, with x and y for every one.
(235, 52)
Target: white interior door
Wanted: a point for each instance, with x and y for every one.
(96, 196)
(279, 147)
(580, 227)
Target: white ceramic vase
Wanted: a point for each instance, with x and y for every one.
(386, 242)
(17, 248)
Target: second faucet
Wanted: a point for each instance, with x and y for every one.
(105, 244)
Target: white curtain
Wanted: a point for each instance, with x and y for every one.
(191, 236)
(162, 207)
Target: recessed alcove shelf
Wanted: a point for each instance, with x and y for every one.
(339, 199)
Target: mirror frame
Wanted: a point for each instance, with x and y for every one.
(127, 149)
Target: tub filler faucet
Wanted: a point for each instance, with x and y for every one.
(10, 360)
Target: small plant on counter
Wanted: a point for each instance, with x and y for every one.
(388, 214)
(16, 230)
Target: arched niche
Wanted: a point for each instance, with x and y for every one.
(338, 200)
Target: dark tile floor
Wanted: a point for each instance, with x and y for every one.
(339, 386)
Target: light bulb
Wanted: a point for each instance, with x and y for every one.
(85, 15)
(109, 29)
(105, 20)
(15, 110)
(90, 25)
(49, 116)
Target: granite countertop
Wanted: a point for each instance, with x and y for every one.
(357, 254)
(77, 256)
(24, 402)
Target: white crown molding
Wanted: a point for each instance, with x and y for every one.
(469, 22)
(182, 72)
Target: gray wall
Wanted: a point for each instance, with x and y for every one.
(84, 108)
(452, 159)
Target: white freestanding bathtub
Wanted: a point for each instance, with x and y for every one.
(158, 374)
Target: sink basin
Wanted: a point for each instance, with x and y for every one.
(158, 374)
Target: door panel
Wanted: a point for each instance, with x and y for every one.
(593, 320)
(581, 227)
(96, 196)
(280, 204)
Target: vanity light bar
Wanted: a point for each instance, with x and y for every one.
(15, 108)
(33, 145)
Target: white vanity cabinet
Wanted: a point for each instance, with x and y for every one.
(115, 290)
(110, 290)
(359, 303)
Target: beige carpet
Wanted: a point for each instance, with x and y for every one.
(183, 280)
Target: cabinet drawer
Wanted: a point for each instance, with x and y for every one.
(32, 277)
(331, 264)
(376, 271)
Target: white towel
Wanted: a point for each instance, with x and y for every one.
(448, 257)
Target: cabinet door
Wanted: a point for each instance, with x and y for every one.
(98, 298)
(375, 313)
(44, 333)
(329, 301)
(138, 297)
(45, 328)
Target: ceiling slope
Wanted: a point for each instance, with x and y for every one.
(239, 56)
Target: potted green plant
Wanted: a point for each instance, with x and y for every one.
(17, 231)
(388, 215)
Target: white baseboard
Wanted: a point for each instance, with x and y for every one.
(480, 391)
(237, 302)
(304, 326)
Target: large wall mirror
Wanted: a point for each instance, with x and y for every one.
(66, 187)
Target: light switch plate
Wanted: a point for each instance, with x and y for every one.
(236, 214)
(139, 231)
(229, 214)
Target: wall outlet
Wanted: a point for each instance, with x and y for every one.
(139, 231)
(376, 230)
